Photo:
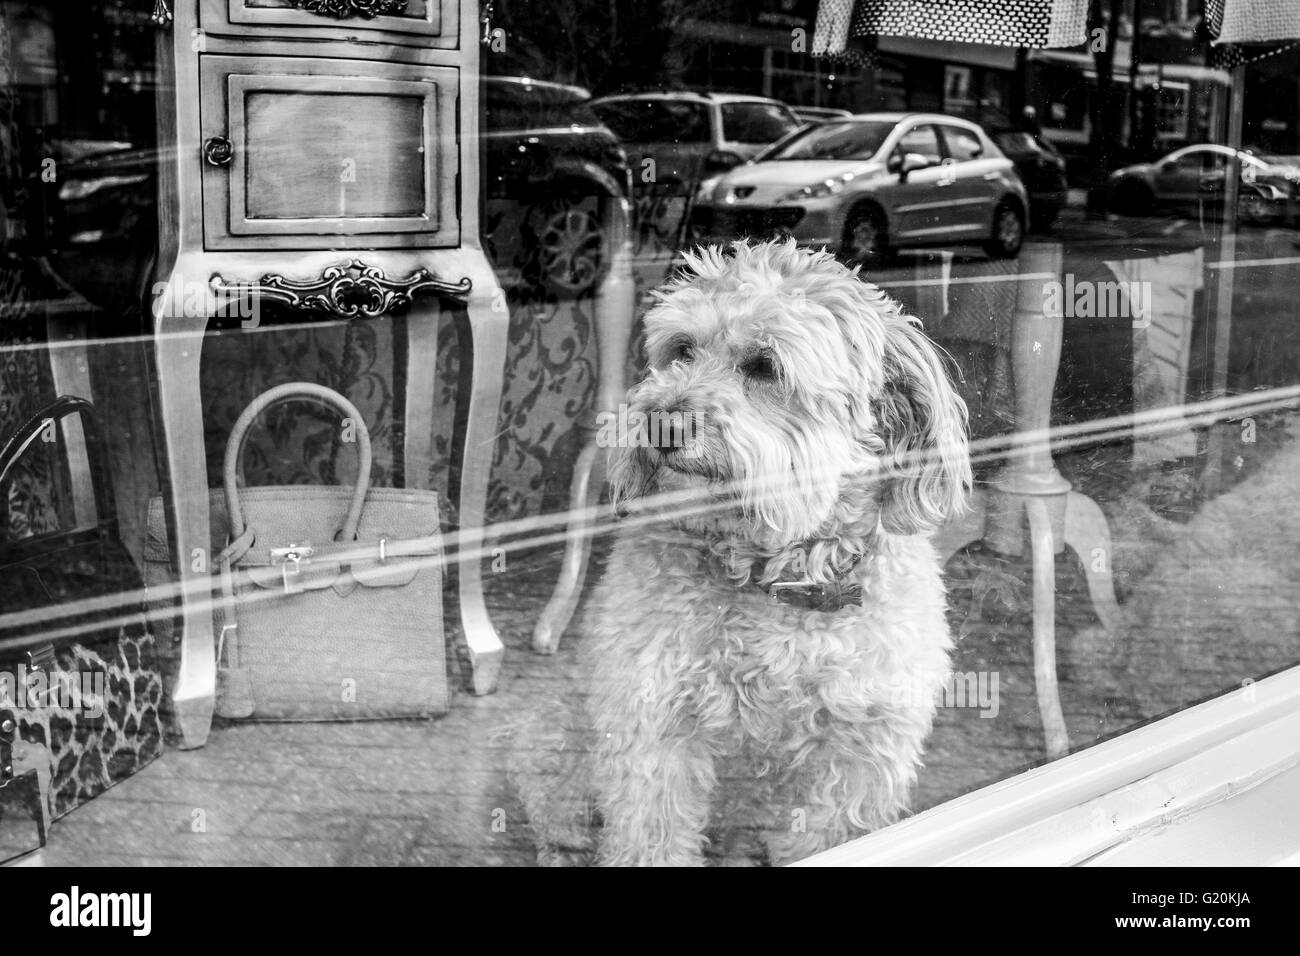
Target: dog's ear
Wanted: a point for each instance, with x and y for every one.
(922, 421)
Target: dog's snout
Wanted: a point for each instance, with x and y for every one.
(671, 428)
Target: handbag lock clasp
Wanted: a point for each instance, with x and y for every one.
(291, 560)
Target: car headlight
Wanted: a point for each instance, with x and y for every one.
(827, 187)
(705, 191)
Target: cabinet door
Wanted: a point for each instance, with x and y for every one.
(367, 19)
(310, 153)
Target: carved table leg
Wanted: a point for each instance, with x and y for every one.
(1030, 488)
(1042, 543)
(178, 344)
(614, 316)
(482, 368)
(1087, 533)
(584, 495)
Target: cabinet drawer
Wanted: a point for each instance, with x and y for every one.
(365, 19)
(301, 152)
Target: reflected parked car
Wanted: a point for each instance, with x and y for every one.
(871, 184)
(1042, 169)
(1190, 182)
(690, 136)
(544, 145)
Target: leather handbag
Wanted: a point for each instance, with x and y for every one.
(331, 597)
(80, 685)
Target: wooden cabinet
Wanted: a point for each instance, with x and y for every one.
(323, 154)
(346, 153)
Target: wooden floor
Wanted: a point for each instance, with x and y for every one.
(436, 793)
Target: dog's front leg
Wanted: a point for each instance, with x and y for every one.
(653, 787)
(855, 780)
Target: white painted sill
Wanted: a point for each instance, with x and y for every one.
(1098, 805)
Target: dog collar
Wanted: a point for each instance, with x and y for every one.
(833, 596)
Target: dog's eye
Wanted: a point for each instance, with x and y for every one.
(760, 367)
(682, 352)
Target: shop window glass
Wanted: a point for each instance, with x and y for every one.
(1145, 208)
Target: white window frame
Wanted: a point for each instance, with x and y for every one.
(1077, 808)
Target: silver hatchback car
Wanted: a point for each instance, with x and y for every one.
(868, 184)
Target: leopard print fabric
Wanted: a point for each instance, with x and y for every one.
(90, 754)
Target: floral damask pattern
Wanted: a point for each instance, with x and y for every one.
(300, 444)
(550, 374)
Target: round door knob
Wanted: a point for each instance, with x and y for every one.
(218, 151)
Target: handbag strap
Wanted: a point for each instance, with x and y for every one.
(13, 449)
(291, 392)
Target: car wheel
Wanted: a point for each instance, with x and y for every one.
(1132, 198)
(1008, 232)
(572, 248)
(866, 237)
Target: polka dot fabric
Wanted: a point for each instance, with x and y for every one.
(1258, 21)
(1234, 22)
(1018, 23)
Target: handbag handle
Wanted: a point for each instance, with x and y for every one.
(296, 391)
(13, 449)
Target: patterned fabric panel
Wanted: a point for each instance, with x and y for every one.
(103, 725)
(1233, 22)
(1253, 21)
(1021, 23)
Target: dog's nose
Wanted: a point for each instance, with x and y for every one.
(671, 428)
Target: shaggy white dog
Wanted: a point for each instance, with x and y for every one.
(782, 627)
(764, 654)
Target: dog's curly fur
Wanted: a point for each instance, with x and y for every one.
(827, 441)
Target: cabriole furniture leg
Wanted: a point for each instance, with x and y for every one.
(178, 348)
(483, 363)
(614, 315)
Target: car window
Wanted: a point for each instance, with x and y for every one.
(923, 140)
(656, 120)
(756, 122)
(1213, 161)
(1199, 160)
(836, 140)
(963, 145)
